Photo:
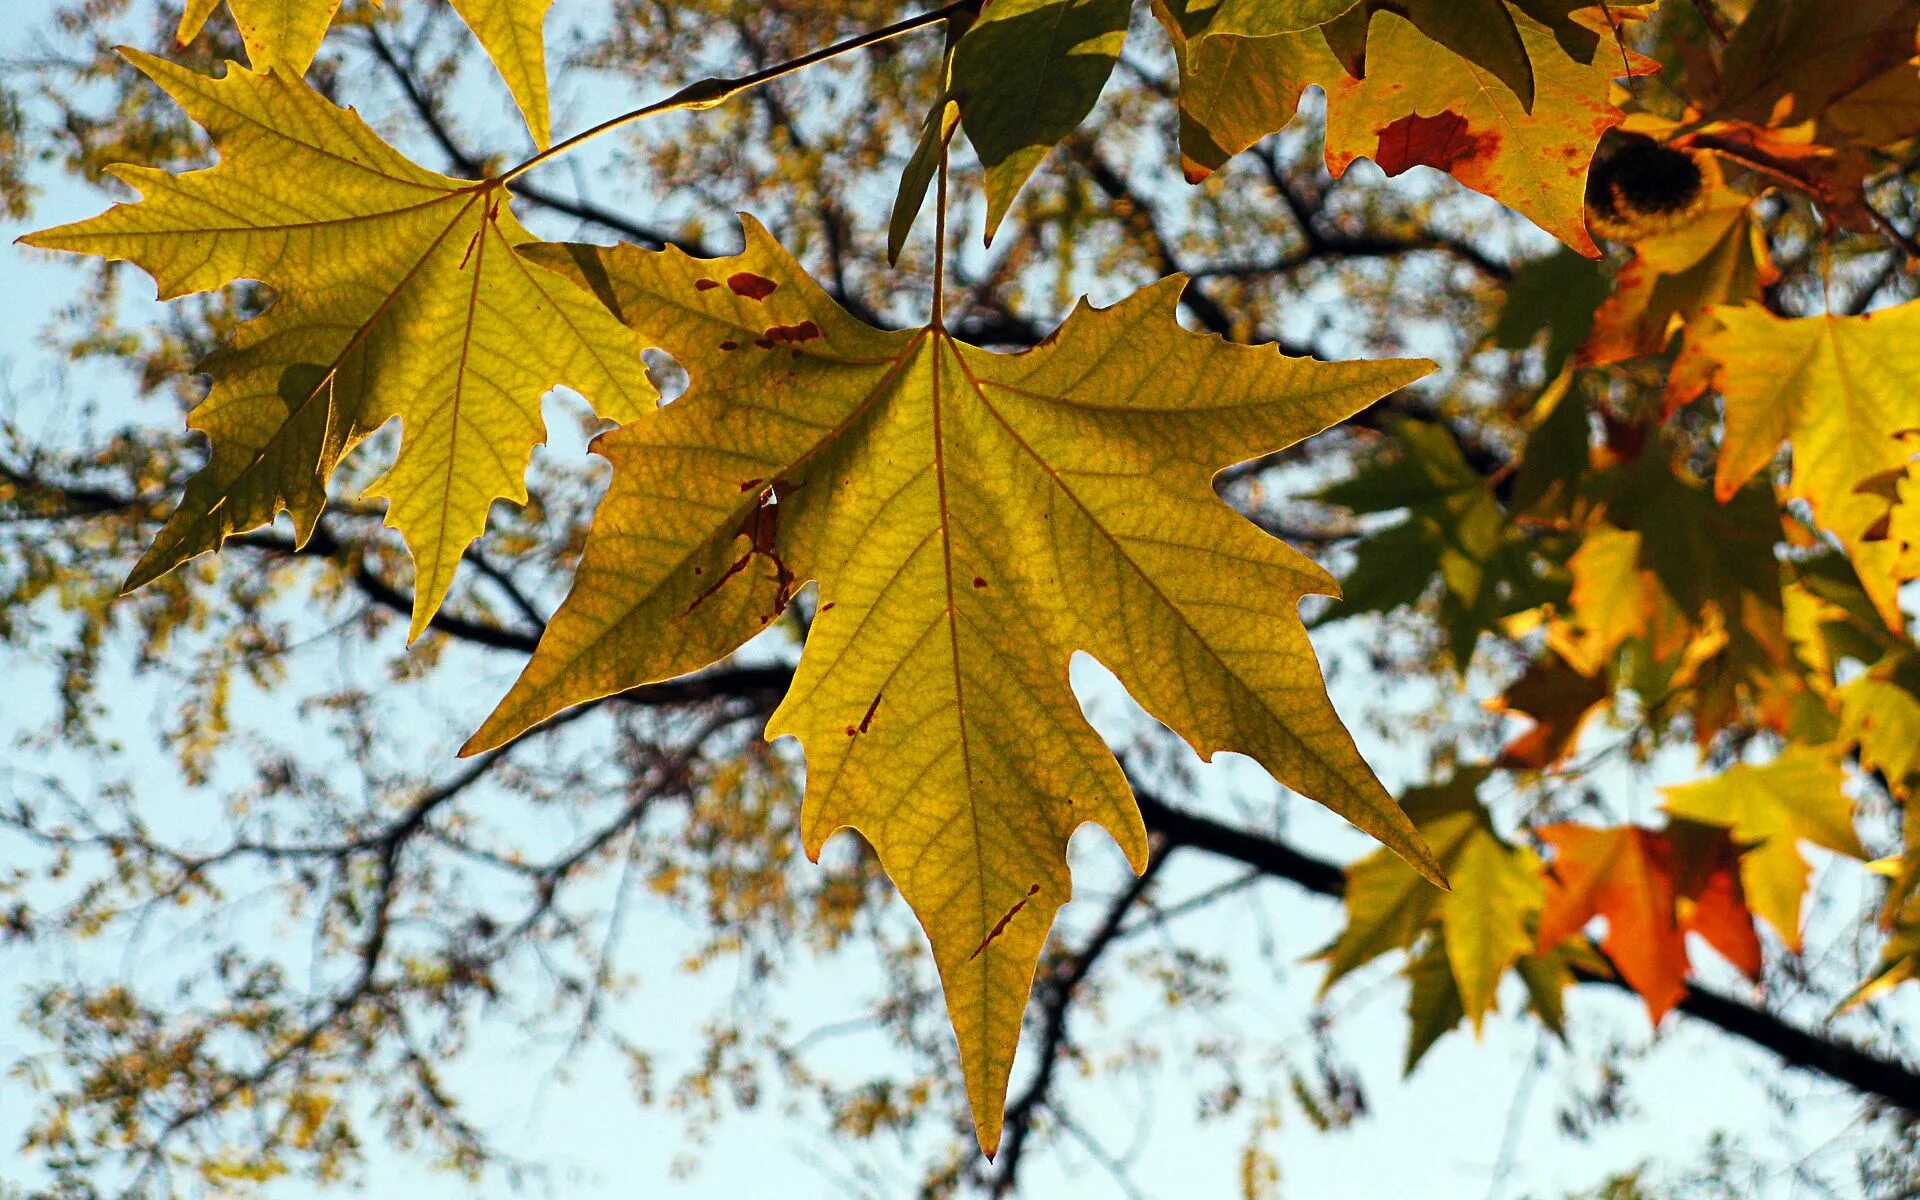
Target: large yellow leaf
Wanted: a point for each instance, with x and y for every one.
(1799, 796)
(1418, 105)
(400, 294)
(1841, 391)
(288, 33)
(972, 519)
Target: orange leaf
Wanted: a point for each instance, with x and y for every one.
(1653, 887)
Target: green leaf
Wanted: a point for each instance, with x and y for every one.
(936, 134)
(1434, 1004)
(1456, 530)
(1025, 75)
(1557, 295)
(1480, 31)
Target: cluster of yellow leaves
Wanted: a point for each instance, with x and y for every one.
(1626, 575)
(973, 519)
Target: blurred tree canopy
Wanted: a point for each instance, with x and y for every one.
(1620, 616)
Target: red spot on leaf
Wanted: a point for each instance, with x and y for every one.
(753, 287)
(704, 285)
(1442, 141)
(979, 582)
(729, 344)
(763, 343)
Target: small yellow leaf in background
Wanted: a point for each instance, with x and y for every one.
(1799, 796)
(973, 519)
(400, 295)
(1842, 391)
(1486, 921)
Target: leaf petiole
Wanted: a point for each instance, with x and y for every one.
(711, 93)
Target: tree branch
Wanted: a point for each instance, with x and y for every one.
(1890, 1080)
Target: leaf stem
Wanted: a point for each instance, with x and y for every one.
(940, 244)
(711, 93)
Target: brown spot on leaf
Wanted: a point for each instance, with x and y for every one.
(824, 608)
(729, 344)
(1001, 926)
(1442, 141)
(979, 582)
(866, 722)
(747, 485)
(761, 529)
(763, 343)
(753, 287)
(789, 335)
(704, 285)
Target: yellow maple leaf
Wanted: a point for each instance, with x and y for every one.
(400, 294)
(1841, 391)
(972, 519)
(1799, 796)
(1486, 919)
(288, 33)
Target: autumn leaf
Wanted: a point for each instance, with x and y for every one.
(400, 295)
(1880, 713)
(1799, 796)
(1418, 109)
(1025, 75)
(1481, 31)
(1455, 531)
(1717, 255)
(1486, 919)
(1652, 887)
(1260, 18)
(288, 33)
(1560, 699)
(973, 520)
(1414, 107)
(1790, 60)
(1841, 391)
